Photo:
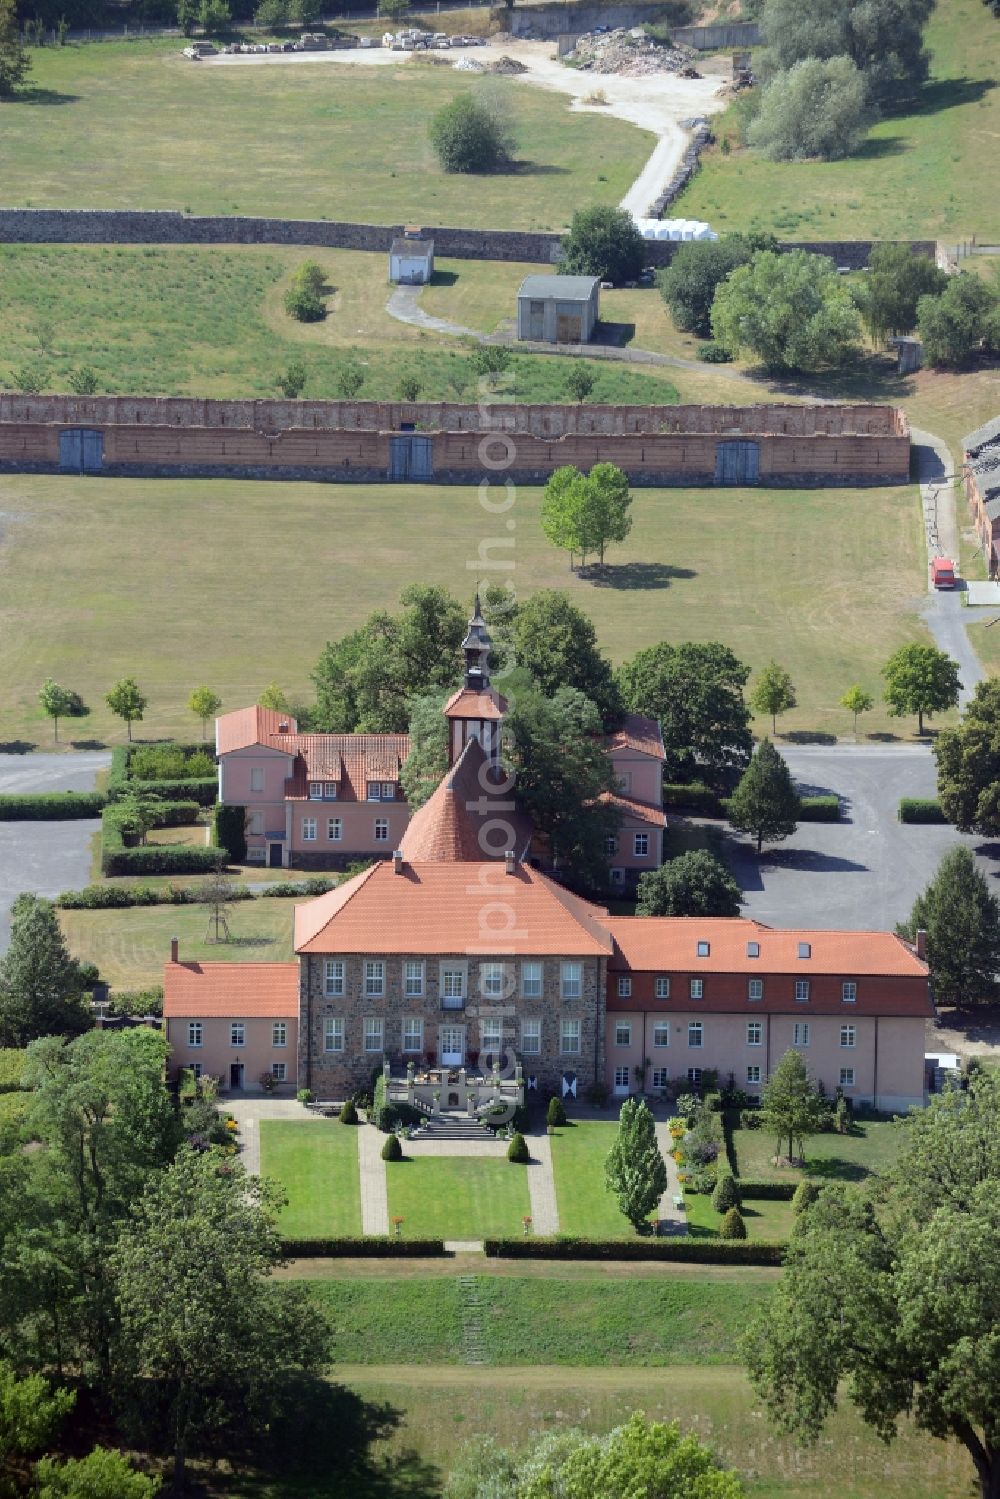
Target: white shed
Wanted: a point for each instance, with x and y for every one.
(411, 260)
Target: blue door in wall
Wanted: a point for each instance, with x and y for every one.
(81, 451)
(737, 463)
(410, 456)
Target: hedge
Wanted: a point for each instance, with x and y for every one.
(698, 1251)
(120, 897)
(368, 1247)
(55, 806)
(162, 858)
(920, 809)
(767, 1191)
(229, 828)
(819, 809)
(12, 1060)
(697, 797)
(204, 790)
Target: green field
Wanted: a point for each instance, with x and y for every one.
(458, 1197)
(317, 1164)
(911, 180)
(198, 582)
(868, 1148)
(586, 1207)
(136, 125)
(764, 1219)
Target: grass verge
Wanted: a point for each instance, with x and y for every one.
(457, 1197)
(317, 1164)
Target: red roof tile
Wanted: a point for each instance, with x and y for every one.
(641, 811)
(467, 704)
(231, 989)
(466, 818)
(664, 943)
(249, 726)
(640, 734)
(361, 758)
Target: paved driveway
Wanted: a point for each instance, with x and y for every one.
(866, 870)
(45, 857)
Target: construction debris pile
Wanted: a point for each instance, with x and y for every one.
(631, 52)
(505, 65)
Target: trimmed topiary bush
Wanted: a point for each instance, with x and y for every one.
(920, 809)
(555, 1116)
(349, 1114)
(230, 831)
(732, 1225)
(392, 1150)
(726, 1194)
(517, 1150)
(806, 1194)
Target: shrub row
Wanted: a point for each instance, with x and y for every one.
(201, 791)
(920, 809)
(55, 806)
(766, 1191)
(699, 1251)
(12, 1060)
(368, 1247)
(120, 897)
(819, 809)
(705, 802)
(161, 858)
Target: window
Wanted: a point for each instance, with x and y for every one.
(572, 980)
(663, 988)
(333, 1034)
(452, 986)
(374, 791)
(696, 988)
(195, 1033)
(531, 980)
(388, 791)
(623, 1034)
(753, 949)
(237, 1034)
(531, 1037)
(315, 791)
(279, 1033)
(491, 1036)
(696, 1033)
(848, 1035)
(569, 1037)
(381, 830)
(801, 989)
(847, 1077)
(640, 844)
(279, 1071)
(334, 829)
(661, 1034)
(413, 979)
(617, 875)
(621, 1078)
(625, 782)
(333, 976)
(694, 1076)
(413, 1034)
(374, 978)
(849, 993)
(374, 1033)
(492, 981)
(196, 1069)
(805, 950)
(660, 1077)
(308, 830)
(704, 949)
(755, 1033)
(330, 791)
(753, 1074)
(755, 989)
(800, 1033)
(257, 778)
(611, 844)
(624, 987)
(256, 823)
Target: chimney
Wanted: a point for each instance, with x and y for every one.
(174, 950)
(921, 942)
(509, 861)
(397, 861)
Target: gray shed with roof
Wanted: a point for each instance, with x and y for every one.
(558, 309)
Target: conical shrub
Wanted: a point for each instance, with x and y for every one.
(732, 1225)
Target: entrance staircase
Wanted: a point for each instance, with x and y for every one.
(451, 1125)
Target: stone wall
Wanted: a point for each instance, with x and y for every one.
(573, 18)
(722, 34)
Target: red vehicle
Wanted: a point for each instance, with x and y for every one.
(943, 573)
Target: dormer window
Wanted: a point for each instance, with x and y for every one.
(330, 791)
(805, 950)
(315, 791)
(753, 949)
(381, 791)
(704, 948)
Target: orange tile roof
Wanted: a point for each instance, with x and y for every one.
(452, 908)
(629, 807)
(361, 758)
(640, 734)
(659, 943)
(465, 818)
(204, 990)
(249, 726)
(320, 752)
(467, 704)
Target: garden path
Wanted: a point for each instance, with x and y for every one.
(542, 1187)
(374, 1191)
(248, 1113)
(672, 1219)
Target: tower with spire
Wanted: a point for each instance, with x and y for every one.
(476, 710)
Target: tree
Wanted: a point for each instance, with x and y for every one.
(491, 361)
(791, 1108)
(920, 679)
(896, 1308)
(890, 292)
(214, 16)
(58, 702)
(818, 109)
(292, 381)
(103, 1474)
(272, 14)
(883, 38)
(604, 242)
(792, 311)
(15, 64)
(968, 764)
(274, 698)
(689, 283)
(303, 304)
(30, 1414)
(635, 1171)
(215, 1346)
(41, 991)
(204, 704)
(765, 803)
(84, 381)
(135, 813)
(732, 1225)
(127, 701)
(583, 513)
(608, 512)
(726, 1194)
(961, 917)
(773, 693)
(580, 381)
(693, 884)
(960, 323)
(555, 1114)
(350, 378)
(394, 10)
(428, 757)
(408, 387)
(557, 644)
(229, 830)
(562, 506)
(472, 135)
(856, 700)
(695, 691)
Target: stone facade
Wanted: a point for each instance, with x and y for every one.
(336, 1074)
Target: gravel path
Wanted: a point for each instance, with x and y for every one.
(404, 306)
(542, 1187)
(673, 1220)
(374, 1190)
(944, 612)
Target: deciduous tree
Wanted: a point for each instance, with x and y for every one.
(41, 990)
(883, 38)
(580, 381)
(773, 693)
(960, 323)
(817, 109)
(204, 704)
(428, 757)
(127, 702)
(59, 702)
(920, 679)
(102, 1474)
(689, 283)
(15, 64)
(557, 644)
(604, 242)
(695, 691)
(791, 1107)
(635, 1170)
(961, 917)
(693, 884)
(856, 700)
(473, 134)
(968, 764)
(765, 803)
(791, 311)
(890, 292)
(273, 697)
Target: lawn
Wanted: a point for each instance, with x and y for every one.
(869, 1148)
(316, 141)
(763, 1219)
(986, 642)
(317, 1164)
(826, 581)
(912, 178)
(586, 1207)
(131, 946)
(458, 1197)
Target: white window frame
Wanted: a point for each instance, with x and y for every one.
(237, 1033)
(493, 980)
(696, 1035)
(753, 1074)
(196, 1033)
(255, 824)
(414, 978)
(622, 1076)
(333, 977)
(661, 1077)
(617, 875)
(640, 845)
(256, 778)
(373, 1034)
(279, 1033)
(755, 1033)
(624, 986)
(571, 1030)
(315, 791)
(308, 830)
(571, 980)
(661, 1034)
(373, 791)
(800, 1033)
(413, 1034)
(663, 987)
(531, 1037)
(696, 989)
(374, 978)
(490, 1035)
(453, 980)
(849, 992)
(623, 1033)
(279, 1071)
(755, 989)
(849, 1037)
(333, 1033)
(610, 845)
(330, 791)
(848, 1078)
(625, 782)
(694, 1076)
(334, 829)
(381, 830)
(389, 791)
(532, 978)
(196, 1069)
(801, 991)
